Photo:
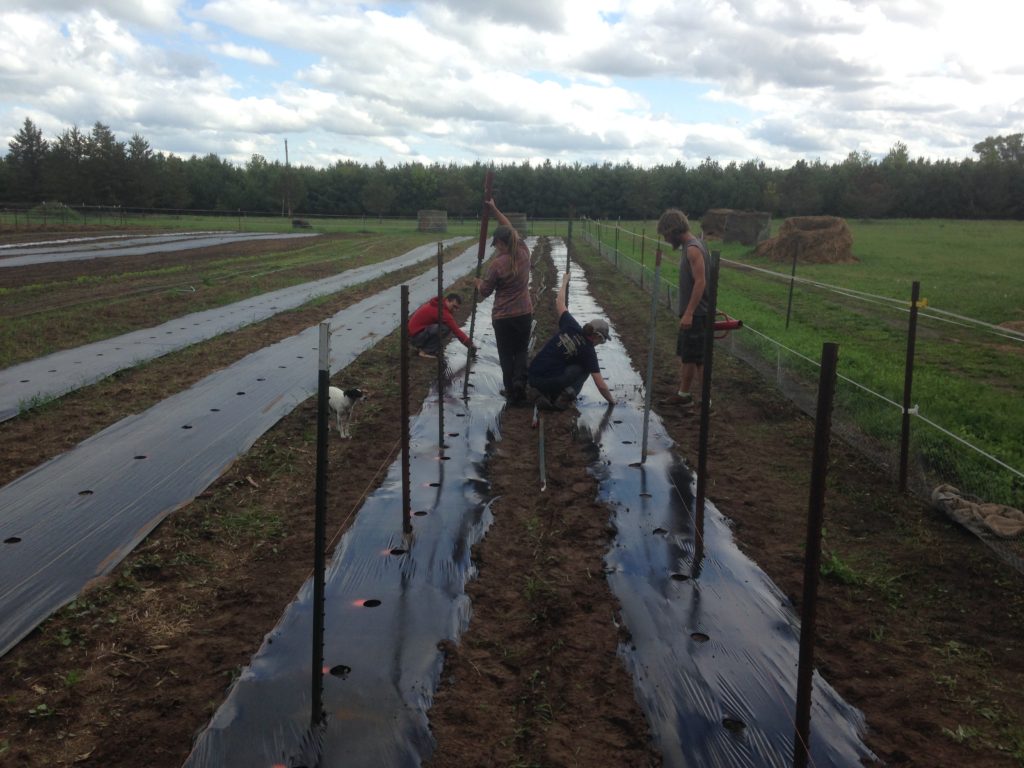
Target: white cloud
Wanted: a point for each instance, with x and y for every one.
(244, 53)
(648, 81)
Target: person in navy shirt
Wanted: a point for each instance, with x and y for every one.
(558, 372)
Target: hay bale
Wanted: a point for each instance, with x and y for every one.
(713, 225)
(811, 240)
(432, 221)
(748, 227)
(520, 222)
(731, 226)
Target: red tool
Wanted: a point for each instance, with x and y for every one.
(724, 324)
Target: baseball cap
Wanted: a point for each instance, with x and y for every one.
(501, 235)
(601, 327)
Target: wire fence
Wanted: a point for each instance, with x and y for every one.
(28, 217)
(868, 409)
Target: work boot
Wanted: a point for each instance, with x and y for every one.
(538, 398)
(678, 399)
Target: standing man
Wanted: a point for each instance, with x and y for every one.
(694, 277)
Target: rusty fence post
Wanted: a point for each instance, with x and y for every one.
(908, 383)
(812, 556)
(320, 526)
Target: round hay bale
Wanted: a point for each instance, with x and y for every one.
(713, 224)
(811, 240)
(748, 227)
(432, 221)
(520, 222)
(731, 226)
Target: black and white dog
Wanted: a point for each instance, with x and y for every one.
(342, 402)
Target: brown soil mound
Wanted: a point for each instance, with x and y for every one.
(811, 240)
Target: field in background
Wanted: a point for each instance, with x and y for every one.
(968, 378)
(63, 308)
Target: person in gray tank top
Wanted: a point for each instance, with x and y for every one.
(693, 304)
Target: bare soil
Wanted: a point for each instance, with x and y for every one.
(919, 626)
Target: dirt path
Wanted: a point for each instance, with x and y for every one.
(919, 626)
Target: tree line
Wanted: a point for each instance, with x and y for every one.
(97, 169)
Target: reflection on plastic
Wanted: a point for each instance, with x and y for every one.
(714, 645)
(387, 653)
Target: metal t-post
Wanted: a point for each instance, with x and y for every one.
(643, 238)
(404, 374)
(440, 351)
(792, 281)
(320, 525)
(908, 383)
(481, 247)
(705, 410)
(812, 557)
(650, 355)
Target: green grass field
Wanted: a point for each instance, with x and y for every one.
(968, 376)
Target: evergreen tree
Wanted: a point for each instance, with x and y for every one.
(140, 173)
(65, 173)
(105, 163)
(26, 156)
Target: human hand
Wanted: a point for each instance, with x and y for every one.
(686, 321)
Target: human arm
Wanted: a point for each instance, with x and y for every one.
(561, 300)
(501, 217)
(602, 387)
(695, 258)
(449, 320)
(485, 287)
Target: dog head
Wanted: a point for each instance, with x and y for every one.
(353, 394)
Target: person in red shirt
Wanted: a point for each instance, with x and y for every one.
(426, 335)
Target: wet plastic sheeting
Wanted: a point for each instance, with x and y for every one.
(75, 517)
(68, 370)
(80, 250)
(714, 658)
(390, 599)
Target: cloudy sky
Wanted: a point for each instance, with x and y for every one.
(589, 81)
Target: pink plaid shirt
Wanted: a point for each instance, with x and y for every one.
(511, 291)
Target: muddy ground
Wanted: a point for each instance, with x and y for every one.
(919, 626)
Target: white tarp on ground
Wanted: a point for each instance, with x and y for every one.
(24, 385)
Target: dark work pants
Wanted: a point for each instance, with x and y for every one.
(429, 340)
(572, 376)
(512, 335)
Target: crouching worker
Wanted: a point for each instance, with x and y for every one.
(427, 335)
(560, 369)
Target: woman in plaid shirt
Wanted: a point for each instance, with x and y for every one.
(508, 278)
